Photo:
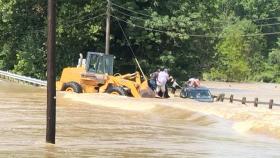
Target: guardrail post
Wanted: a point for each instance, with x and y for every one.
(218, 97)
(231, 99)
(256, 102)
(270, 103)
(222, 97)
(243, 100)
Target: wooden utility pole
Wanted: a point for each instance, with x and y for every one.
(107, 47)
(51, 90)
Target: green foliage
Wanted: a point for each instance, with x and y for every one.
(268, 75)
(191, 38)
(6, 62)
(31, 58)
(274, 55)
(215, 74)
(239, 55)
(274, 63)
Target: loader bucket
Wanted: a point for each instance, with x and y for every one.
(146, 91)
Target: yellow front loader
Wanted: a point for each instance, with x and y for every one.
(96, 76)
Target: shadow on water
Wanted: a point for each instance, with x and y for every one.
(94, 131)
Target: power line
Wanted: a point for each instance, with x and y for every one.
(272, 24)
(131, 10)
(134, 17)
(25, 33)
(258, 25)
(261, 34)
(44, 29)
(70, 18)
(138, 18)
(191, 35)
(160, 31)
(73, 24)
(146, 15)
(77, 15)
(86, 15)
(73, 16)
(276, 17)
(268, 18)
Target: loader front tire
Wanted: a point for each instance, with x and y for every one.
(72, 87)
(116, 91)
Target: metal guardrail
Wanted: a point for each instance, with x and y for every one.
(256, 102)
(24, 79)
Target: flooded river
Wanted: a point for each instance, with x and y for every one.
(85, 130)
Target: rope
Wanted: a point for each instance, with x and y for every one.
(131, 50)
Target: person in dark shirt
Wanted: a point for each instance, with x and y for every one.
(174, 85)
(153, 80)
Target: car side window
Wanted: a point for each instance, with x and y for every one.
(204, 93)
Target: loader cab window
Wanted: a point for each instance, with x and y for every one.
(108, 64)
(100, 63)
(92, 63)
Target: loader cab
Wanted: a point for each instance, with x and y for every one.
(99, 63)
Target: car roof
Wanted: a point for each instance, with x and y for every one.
(198, 88)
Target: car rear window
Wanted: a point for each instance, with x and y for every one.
(197, 93)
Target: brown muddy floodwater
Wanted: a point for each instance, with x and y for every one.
(94, 131)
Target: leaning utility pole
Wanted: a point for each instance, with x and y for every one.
(107, 47)
(51, 90)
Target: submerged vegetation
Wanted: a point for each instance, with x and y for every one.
(228, 40)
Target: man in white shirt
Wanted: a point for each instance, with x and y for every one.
(161, 81)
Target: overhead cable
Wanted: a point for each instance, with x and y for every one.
(268, 18)
(272, 24)
(138, 18)
(42, 30)
(92, 18)
(191, 35)
(134, 17)
(160, 31)
(261, 34)
(130, 10)
(78, 15)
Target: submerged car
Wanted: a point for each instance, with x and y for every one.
(202, 94)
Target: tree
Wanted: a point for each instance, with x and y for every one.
(239, 54)
(274, 60)
(188, 37)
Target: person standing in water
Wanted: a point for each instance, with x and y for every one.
(153, 80)
(162, 78)
(174, 85)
